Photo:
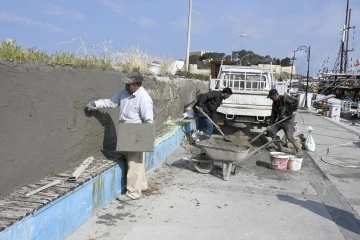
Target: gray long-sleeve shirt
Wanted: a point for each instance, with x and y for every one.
(283, 108)
(209, 101)
(134, 108)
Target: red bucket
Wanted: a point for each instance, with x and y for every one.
(279, 160)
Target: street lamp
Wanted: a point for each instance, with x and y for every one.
(306, 49)
(243, 57)
(188, 37)
(232, 44)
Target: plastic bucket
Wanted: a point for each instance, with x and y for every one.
(154, 68)
(294, 163)
(279, 160)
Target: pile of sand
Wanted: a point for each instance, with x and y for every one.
(240, 138)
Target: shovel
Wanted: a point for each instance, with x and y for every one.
(269, 128)
(252, 154)
(216, 126)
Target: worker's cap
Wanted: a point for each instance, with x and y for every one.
(133, 78)
(272, 92)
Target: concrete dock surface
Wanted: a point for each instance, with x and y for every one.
(322, 201)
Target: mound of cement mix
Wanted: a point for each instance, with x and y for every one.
(240, 138)
(230, 146)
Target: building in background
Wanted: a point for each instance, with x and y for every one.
(277, 69)
(199, 53)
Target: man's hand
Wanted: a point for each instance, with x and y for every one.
(91, 106)
(268, 128)
(294, 114)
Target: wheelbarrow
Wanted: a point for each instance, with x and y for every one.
(228, 153)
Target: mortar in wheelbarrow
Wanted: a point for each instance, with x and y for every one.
(222, 151)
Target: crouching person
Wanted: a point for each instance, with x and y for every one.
(136, 106)
(283, 107)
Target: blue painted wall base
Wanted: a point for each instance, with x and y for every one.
(62, 217)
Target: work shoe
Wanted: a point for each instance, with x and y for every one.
(298, 149)
(124, 198)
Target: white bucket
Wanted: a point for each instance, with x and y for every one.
(279, 160)
(154, 68)
(294, 163)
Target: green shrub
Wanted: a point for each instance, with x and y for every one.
(193, 75)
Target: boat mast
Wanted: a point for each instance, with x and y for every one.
(347, 43)
(344, 34)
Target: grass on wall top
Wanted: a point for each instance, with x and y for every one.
(127, 60)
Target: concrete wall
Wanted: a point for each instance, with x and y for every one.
(43, 127)
(62, 213)
(193, 68)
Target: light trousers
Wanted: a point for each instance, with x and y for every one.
(135, 178)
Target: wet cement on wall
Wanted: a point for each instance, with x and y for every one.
(44, 128)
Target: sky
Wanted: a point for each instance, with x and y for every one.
(159, 27)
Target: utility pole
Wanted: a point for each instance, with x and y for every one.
(292, 69)
(188, 37)
(307, 76)
(232, 44)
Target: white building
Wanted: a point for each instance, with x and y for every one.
(199, 53)
(277, 69)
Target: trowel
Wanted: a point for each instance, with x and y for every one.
(227, 139)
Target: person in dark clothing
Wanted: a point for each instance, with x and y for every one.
(283, 106)
(209, 103)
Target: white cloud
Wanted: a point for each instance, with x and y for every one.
(144, 39)
(60, 11)
(252, 26)
(181, 23)
(199, 25)
(113, 5)
(327, 22)
(143, 22)
(30, 22)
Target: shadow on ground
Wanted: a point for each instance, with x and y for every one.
(341, 217)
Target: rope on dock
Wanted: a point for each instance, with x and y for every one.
(339, 165)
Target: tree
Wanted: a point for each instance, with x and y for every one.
(267, 58)
(212, 56)
(286, 62)
(194, 59)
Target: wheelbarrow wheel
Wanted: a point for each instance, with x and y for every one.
(204, 167)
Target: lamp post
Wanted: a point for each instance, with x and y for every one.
(243, 57)
(306, 49)
(307, 76)
(292, 68)
(188, 37)
(232, 44)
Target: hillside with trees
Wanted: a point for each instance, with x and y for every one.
(247, 58)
